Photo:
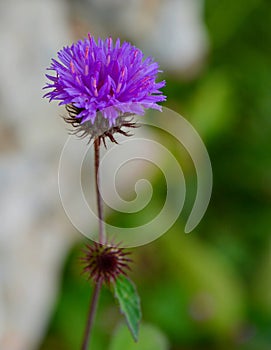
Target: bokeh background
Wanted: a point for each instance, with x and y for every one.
(206, 290)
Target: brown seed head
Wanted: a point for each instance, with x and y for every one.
(105, 263)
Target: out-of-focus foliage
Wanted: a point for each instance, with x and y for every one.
(150, 338)
(210, 289)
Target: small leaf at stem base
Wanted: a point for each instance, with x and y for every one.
(126, 294)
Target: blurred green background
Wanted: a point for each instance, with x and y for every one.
(210, 289)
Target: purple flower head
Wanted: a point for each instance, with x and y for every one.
(104, 81)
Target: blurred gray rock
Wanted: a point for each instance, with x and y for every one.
(173, 31)
(34, 232)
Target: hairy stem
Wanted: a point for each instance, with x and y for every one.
(102, 237)
(91, 314)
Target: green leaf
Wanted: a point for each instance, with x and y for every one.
(126, 294)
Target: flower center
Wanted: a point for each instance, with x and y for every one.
(107, 262)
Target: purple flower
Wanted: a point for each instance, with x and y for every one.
(104, 80)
